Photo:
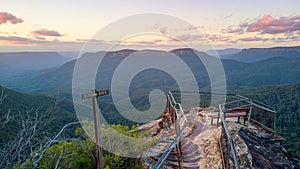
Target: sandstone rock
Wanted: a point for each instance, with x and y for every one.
(265, 151)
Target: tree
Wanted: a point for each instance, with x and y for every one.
(31, 142)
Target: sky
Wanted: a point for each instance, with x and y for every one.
(60, 25)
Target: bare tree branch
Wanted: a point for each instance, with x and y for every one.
(28, 145)
(7, 118)
(46, 146)
(59, 158)
(2, 96)
(31, 142)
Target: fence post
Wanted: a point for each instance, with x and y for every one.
(274, 124)
(250, 112)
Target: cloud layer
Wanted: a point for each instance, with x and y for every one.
(9, 18)
(46, 32)
(267, 24)
(234, 31)
(253, 38)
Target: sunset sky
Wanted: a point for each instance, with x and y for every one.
(57, 25)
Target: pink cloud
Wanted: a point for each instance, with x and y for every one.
(211, 37)
(17, 40)
(6, 33)
(194, 28)
(244, 24)
(40, 38)
(8, 17)
(46, 32)
(12, 38)
(285, 39)
(188, 37)
(90, 40)
(253, 38)
(37, 41)
(235, 31)
(218, 38)
(144, 43)
(267, 24)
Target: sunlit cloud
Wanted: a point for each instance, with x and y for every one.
(13, 39)
(6, 17)
(5, 33)
(192, 28)
(90, 40)
(39, 38)
(16, 40)
(46, 32)
(265, 29)
(238, 31)
(218, 38)
(267, 24)
(253, 38)
(37, 43)
(189, 37)
(144, 40)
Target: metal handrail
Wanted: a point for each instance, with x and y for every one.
(260, 104)
(166, 153)
(243, 106)
(251, 103)
(171, 97)
(179, 114)
(235, 101)
(262, 107)
(233, 152)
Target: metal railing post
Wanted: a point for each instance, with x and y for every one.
(250, 112)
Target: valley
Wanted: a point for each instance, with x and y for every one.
(273, 80)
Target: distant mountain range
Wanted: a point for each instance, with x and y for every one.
(32, 60)
(280, 65)
(259, 54)
(248, 68)
(223, 52)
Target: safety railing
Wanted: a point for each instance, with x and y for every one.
(179, 113)
(180, 123)
(227, 145)
(258, 114)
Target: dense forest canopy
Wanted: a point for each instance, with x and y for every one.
(286, 100)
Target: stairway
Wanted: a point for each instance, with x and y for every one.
(191, 152)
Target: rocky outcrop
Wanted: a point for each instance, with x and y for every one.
(264, 151)
(200, 146)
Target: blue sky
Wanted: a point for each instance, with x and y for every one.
(55, 25)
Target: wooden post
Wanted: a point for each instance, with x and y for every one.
(96, 127)
(94, 95)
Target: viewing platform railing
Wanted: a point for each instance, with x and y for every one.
(258, 114)
(180, 122)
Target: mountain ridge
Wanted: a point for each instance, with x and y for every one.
(32, 60)
(259, 54)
